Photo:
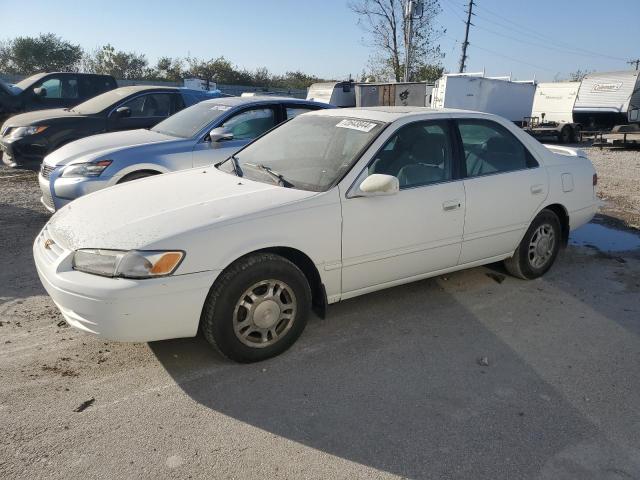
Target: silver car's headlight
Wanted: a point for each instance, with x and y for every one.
(89, 169)
(20, 132)
(128, 264)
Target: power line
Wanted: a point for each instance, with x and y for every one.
(545, 38)
(465, 44)
(635, 62)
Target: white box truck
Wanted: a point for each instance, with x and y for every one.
(608, 99)
(340, 94)
(552, 112)
(500, 96)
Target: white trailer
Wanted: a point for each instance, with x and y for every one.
(500, 96)
(608, 99)
(552, 112)
(340, 94)
(401, 94)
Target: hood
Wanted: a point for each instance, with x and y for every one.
(143, 213)
(39, 116)
(103, 144)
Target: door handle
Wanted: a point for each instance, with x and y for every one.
(535, 189)
(451, 205)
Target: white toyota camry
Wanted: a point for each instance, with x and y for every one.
(330, 205)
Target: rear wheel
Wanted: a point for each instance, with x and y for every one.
(565, 135)
(257, 308)
(538, 249)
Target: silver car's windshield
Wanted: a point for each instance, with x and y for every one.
(186, 123)
(310, 152)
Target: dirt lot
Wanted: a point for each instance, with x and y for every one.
(472, 375)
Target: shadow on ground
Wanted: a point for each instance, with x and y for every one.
(392, 380)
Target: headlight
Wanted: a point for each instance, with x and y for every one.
(89, 169)
(128, 264)
(25, 131)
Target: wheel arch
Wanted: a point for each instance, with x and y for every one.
(563, 216)
(306, 265)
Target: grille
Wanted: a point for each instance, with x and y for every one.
(54, 251)
(47, 199)
(45, 170)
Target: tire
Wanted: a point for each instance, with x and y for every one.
(250, 330)
(529, 262)
(565, 135)
(575, 134)
(136, 175)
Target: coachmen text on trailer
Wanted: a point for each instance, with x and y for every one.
(608, 99)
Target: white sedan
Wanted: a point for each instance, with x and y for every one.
(330, 205)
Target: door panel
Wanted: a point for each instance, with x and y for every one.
(504, 188)
(499, 209)
(389, 238)
(146, 111)
(415, 231)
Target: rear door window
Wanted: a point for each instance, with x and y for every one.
(489, 148)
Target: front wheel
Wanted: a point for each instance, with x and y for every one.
(538, 249)
(257, 308)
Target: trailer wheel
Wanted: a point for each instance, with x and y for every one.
(575, 134)
(565, 135)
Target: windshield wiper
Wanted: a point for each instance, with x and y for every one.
(236, 165)
(278, 176)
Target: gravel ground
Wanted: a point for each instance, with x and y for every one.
(618, 182)
(474, 375)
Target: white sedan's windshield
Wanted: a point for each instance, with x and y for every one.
(310, 152)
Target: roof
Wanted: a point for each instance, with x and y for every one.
(141, 88)
(388, 114)
(235, 101)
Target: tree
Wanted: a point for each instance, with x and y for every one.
(169, 69)
(218, 70)
(384, 22)
(429, 73)
(579, 74)
(122, 65)
(45, 53)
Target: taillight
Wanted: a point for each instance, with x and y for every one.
(595, 179)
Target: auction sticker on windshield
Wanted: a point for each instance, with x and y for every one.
(356, 125)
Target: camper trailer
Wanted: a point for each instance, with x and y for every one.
(339, 94)
(500, 96)
(412, 94)
(552, 112)
(608, 99)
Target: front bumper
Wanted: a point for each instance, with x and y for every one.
(24, 149)
(57, 191)
(121, 309)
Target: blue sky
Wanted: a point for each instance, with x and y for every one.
(321, 37)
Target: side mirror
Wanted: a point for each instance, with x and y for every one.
(123, 112)
(220, 134)
(40, 91)
(379, 184)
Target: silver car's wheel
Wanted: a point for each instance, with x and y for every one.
(264, 313)
(542, 246)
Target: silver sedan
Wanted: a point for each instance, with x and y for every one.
(200, 135)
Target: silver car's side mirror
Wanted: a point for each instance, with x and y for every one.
(220, 134)
(379, 184)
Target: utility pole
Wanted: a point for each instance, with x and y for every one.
(635, 62)
(411, 8)
(465, 44)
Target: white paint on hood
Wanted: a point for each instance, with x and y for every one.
(139, 214)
